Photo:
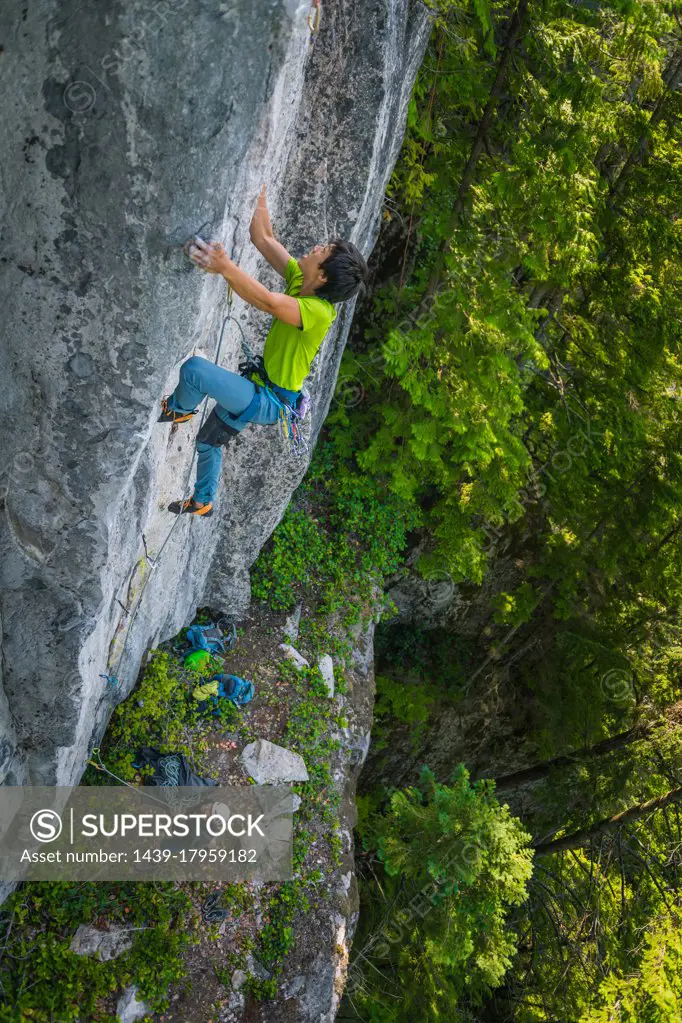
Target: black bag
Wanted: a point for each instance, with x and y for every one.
(215, 432)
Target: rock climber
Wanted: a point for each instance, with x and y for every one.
(329, 273)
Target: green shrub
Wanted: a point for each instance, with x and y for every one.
(160, 713)
(340, 554)
(453, 863)
(43, 981)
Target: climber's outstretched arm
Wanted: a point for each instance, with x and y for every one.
(264, 239)
(211, 256)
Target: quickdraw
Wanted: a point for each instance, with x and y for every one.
(289, 421)
(113, 686)
(314, 17)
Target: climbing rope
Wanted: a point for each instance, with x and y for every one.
(113, 682)
(171, 766)
(102, 767)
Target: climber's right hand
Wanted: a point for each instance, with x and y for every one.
(208, 256)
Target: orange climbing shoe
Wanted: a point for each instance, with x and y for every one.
(191, 507)
(168, 415)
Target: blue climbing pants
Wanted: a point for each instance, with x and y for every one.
(238, 402)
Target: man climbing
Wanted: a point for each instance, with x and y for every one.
(326, 275)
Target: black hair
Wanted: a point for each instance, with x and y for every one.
(346, 272)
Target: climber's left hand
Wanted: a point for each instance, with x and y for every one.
(209, 256)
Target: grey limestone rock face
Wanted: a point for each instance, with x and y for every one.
(128, 127)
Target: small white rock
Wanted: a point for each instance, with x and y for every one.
(269, 764)
(109, 944)
(129, 1008)
(291, 654)
(292, 624)
(326, 666)
(238, 980)
(236, 1002)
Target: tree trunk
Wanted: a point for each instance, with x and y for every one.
(580, 838)
(599, 749)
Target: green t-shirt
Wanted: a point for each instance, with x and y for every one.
(289, 351)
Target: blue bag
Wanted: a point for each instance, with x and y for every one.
(238, 690)
(208, 637)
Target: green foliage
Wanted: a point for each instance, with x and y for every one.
(604, 922)
(160, 713)
(310, 716)
(654, 993)
(521, 379)
(43, 981)
(276, 938)
(296, 555)
(521, 394)
(340, 553)
(454, 863)
(402, 700)
(477, 369)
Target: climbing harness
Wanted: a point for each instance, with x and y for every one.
(291, 413)
(314, 17)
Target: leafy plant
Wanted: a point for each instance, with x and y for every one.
(454, 863)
